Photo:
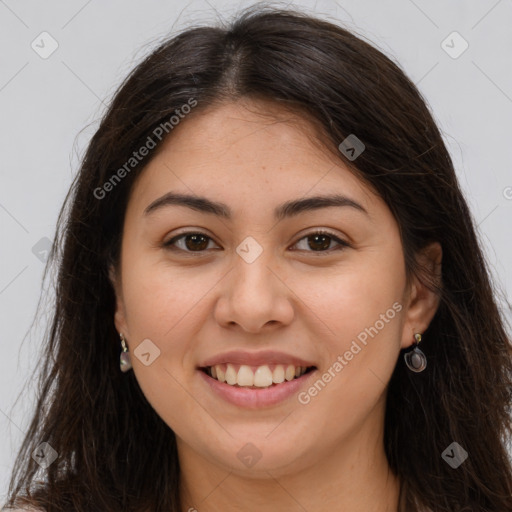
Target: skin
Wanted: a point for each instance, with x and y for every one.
(313, 304)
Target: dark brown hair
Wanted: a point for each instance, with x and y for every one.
(98, 420)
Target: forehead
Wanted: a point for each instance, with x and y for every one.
(250, 151)
(244, 128)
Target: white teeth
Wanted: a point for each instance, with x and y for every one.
(245, 376)
(230, 374)
(263, 376)
(278, 374)
(221, 376)
(290, 372)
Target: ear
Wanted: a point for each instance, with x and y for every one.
(422, 302)
(120, 313)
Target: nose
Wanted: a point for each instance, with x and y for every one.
(254, 296)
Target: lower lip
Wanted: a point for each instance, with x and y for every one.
(251, 398)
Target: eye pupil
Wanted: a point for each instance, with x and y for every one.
(195, 238)
(324, 245)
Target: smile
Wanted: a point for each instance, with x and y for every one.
(262, 376)
(250, 396)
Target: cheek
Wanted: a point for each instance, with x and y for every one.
(357, 363)
(361, 305)
(159, 297)
(354, 296)
(161, 305)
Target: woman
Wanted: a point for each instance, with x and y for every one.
(270, 294)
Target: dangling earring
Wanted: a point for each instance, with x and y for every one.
(415, 359)
(124, 360)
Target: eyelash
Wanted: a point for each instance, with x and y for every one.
(342, 244)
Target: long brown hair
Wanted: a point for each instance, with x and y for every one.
(98, 420)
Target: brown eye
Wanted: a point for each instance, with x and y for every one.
(192, 242)
(320, 241)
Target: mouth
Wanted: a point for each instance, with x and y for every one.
(256, 377)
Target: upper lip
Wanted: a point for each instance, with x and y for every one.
(255, 358)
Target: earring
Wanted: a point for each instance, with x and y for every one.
(415, 359)
(124, 360)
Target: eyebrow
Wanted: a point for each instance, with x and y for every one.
(285, 210)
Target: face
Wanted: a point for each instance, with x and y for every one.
(261, 289)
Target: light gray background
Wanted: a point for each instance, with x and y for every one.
(50, 108)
